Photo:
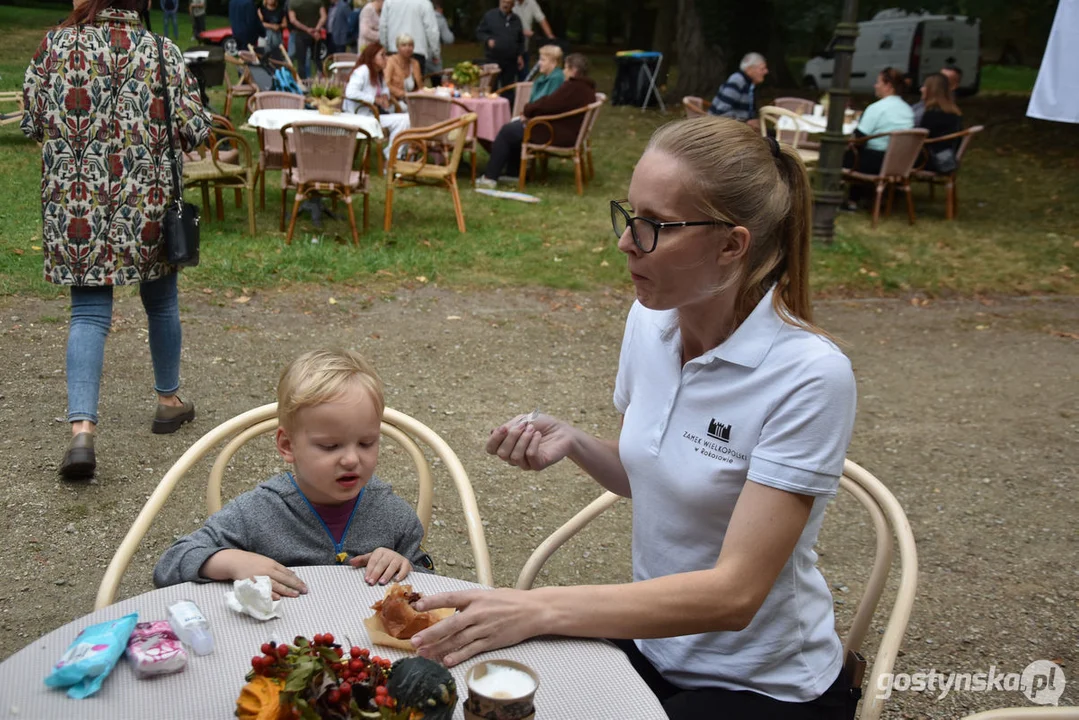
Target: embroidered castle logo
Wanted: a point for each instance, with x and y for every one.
(719, 431)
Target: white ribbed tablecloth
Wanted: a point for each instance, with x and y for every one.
(579, 679)
(277, 118)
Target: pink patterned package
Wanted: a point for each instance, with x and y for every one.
(154, 649)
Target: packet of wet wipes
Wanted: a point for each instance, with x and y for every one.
(91, 656)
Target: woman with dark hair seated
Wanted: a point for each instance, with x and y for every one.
(576, 92)
(941, 117)
(886, 115)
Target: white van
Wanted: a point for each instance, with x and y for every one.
(915, 44)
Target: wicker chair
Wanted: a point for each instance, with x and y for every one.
(522, 93)
(215, 168)
(488, 73)
(420, 171)
(888, 519)
(797, 105)
(904, 149)
(271, 149)
(770, 116)
(408, 433)
(427, 109)
(244, 86)
(341, 73)
(695, 106)
(319, 157)
(11, 116)
(578, 152)
(948, 180)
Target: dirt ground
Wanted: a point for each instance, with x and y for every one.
(968, 411)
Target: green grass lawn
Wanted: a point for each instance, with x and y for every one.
(1016, 233)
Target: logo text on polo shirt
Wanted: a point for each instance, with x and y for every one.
(719, 431)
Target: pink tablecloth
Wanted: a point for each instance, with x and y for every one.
(491, 114)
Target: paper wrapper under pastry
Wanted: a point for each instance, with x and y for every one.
(377, 631)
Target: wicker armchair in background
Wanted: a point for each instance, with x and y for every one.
(578, 152)
(424, 171)
(213, 168)
(271, 149)
(522, 94)
(319, 157)
(427, 110)
(695, 106)
(948, 180)
(904, 149)
(770, 116)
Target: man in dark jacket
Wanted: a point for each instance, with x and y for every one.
(503, 39)
(245, 23)
(576, 92)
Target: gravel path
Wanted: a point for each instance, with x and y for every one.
(968, 411)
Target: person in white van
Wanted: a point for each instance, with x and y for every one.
(734, 99)
(889, 113)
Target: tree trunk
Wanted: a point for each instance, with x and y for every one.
(662, 40)
(701, 62)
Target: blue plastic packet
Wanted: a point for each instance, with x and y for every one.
(91, 656)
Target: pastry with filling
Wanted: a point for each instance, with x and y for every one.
(396, 620)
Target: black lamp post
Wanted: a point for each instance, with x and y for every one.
(827, 189)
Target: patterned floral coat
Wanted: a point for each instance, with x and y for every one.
(93, 98)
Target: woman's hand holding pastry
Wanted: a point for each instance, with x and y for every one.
(488, 619)
(532, 442)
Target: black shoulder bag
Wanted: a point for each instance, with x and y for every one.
(180, 226)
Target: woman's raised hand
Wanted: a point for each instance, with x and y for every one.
(532, 443)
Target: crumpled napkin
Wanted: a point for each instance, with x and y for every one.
(254, 597)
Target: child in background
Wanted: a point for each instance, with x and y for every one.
(273, 15)
(330, 509)
(197, 9)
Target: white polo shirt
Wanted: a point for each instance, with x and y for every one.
(773, 404)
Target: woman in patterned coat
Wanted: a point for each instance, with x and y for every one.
(93, 98)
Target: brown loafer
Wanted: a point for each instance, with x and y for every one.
(79, 462)
(169, 418)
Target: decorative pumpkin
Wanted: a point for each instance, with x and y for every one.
(424, 687)
(260, 699)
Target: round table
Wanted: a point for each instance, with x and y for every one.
(491, 114)
(275, 119)
(813, 124)
(578, 678)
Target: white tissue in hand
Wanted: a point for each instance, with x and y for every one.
(254, 597)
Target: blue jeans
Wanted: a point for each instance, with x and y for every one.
(91, 320)
(170, 17)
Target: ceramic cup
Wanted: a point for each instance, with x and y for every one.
(500, 690)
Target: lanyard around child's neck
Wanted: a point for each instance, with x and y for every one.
(338, 547)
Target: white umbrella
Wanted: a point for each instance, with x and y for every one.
(1056, 92)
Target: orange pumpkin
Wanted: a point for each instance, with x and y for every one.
(260, 699)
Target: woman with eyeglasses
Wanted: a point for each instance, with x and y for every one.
(736, 416)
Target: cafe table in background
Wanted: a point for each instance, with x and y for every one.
(578, 678)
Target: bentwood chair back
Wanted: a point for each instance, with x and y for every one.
(694, 106)
(891, 527)
(412, 436)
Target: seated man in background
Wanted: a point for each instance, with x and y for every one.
(576, 92)
(735, 97)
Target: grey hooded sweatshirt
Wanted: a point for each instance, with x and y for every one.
(275, 520)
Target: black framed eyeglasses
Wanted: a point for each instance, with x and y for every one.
(645, 231)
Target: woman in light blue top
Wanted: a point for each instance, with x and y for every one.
(889, 113)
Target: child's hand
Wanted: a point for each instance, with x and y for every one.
(382, 566)
(239, 564)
